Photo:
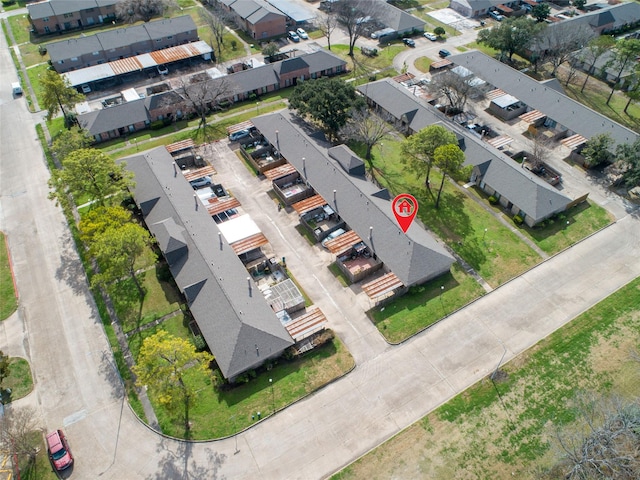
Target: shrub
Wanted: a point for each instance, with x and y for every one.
(518, 220)
(493, 200)
(157, 125)
(199, 343)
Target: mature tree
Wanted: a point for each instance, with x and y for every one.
(538, 151)
(449, 159)
(204, 96)
(439, 31)
(626, 51)
(57, 94)
(540, 12)
(215, 18)
(453, 86)
(511, 36)
(89, 174)
(602, 443)
(597, 150)
(628, 158)
(357, 17)
(418, 150)
(70, 140)
(100, 219)
(119, 251)
(560, 41)
(134, 10)
(327, 101)
(365, 127)
(164, 366)
(270, 49)
(17, 428)
(5, 368)
(326, 23)
(594, 50)
(579, 4)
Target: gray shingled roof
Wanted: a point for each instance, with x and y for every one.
(349, 161)
(60, 7)
(399, 20)
(73, 47)
(112, 118)
(557, 106)
(322, 60)
(414, 257)
(170, 26)
(524, 189)
(240, 328)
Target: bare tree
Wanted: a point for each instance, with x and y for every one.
(202, 97)
(365, 127)
(133, 10)
(539, 151)
(216, 19)
(596, 48)
(326, 23)
(558, 42)
(16, 431)
(357, 17)
(456, 88)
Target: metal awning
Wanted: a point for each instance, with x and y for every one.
(500, 141)
(305, 325)
(495, 94)
(382, 285)
(532, 117)
(440, 64)
(183, 145)
(240, 126)
(219, 205)
(504, 8)
(199, 172)
(250, 243)
(574, 141)
(279, 172)
(308, 204)
(343, 242)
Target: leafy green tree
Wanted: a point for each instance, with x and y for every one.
(328, 101)
(596, 47)
(449, 159)
(98, 220)
(579, 4)
(511, 36)
(418, 150)
(5, 368)
(540, 12)
(165, 365)
(632, 94)
(70, 140)
(628, 157)
(626, 51)
(270, 49)
(58, 94)
(597, 150)
(89, 173)
(439, 31)
(119, 251)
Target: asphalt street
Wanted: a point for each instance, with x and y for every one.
(58, 330)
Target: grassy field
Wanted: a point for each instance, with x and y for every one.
(20, 380)
(8, 298)
(507, 430)
(365, 66)
(423, 64)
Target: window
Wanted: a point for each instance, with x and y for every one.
(60, 62)
(47, 30)
(68, 15)
(74, 59)
(169, 37)
(88, 9)
(159, 40)
(45, 19)
(95, 54)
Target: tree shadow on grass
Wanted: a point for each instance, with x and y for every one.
(127, 303)
(559, 224)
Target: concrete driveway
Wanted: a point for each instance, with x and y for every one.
(77, 387)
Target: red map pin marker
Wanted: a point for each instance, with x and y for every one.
(404, 207)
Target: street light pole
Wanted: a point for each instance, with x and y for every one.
(273, 396)
(441, 301)
(483, 235)
(235, 432)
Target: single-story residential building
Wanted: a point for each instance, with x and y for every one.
(52, 16)
(414, 257)
(476, 8)
(258, 18)
(120, 43)
(517, 189)
(235, 319)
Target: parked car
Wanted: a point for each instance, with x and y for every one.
(163, 69)
(294, 36)
(431, 36)
(58, 449)
(332, 235)
(444, 53)
(302, 34)
(201, 182)
(409, 42)
(496, 16)
(235, 136)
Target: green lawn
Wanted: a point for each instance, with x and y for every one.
(8, 299)
(34, 74)
(222, 411)
(424, 305)
(20, 28)
(485, 434)
(366, 65)
(40, 469)
(19, 380)
(161, 298)
(177, 326)
(423, 64)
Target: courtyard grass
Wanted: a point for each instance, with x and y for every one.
(8, 295)
(19, 380)
(424, 305)
(20, 27)
(508, 430)
(423, 64)
(365, 66)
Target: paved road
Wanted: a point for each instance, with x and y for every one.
(57, 327)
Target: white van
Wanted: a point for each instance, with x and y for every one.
(17, 89)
